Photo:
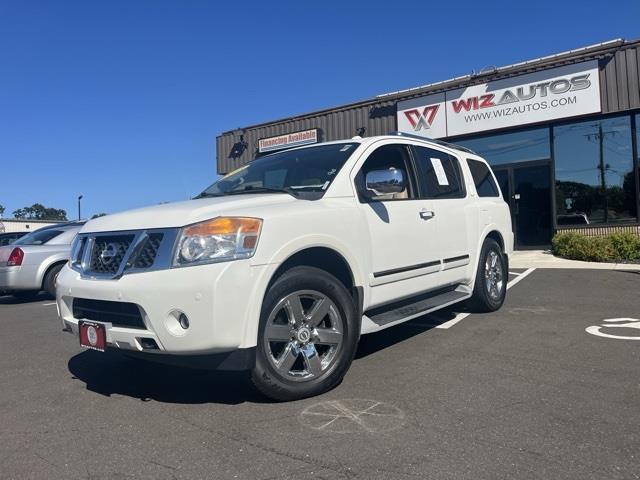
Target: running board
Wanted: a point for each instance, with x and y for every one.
(416, 305)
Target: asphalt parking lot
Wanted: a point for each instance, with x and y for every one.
(526, 392)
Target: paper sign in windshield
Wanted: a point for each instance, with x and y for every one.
(440, 173)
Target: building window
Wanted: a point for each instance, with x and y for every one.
(637, 119)
(528, 145)
(595, 181)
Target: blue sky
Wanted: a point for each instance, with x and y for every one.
(121, 101)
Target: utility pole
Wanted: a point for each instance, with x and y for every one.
(79, 198)
(603, 180)
(602, 167)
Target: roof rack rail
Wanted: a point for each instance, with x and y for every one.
(434, 141)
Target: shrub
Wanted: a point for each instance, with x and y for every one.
(614, 247)
(626, 246)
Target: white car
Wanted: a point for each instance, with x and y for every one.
(281, 265)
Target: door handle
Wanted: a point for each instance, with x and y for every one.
(427, 214)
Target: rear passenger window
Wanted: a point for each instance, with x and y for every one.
(439, 174)
(485, 184)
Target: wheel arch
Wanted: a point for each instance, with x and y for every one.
(497, 236)
(492, 232)
(322, 257)
(46, 265)
(327, 259)
(48, 269)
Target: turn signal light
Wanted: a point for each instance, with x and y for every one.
(15, 258)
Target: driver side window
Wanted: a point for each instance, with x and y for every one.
(385, 158)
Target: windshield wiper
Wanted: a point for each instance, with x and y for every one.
(250, 189)
(207, 195)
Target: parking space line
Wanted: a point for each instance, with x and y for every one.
(462, 316)
(515, 273)
(454, 320)
(48, 304)
(520, 277)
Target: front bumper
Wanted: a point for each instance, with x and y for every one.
(222, 302)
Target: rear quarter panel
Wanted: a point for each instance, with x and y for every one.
(38, 259)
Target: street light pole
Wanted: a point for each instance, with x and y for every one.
(79, 198)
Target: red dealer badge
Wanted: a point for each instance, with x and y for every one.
(93, 335)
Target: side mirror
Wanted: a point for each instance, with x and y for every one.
(386, 182)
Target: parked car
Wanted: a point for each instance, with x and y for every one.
(8, 238)
(280, 266)
(31, 263)
(577, 218)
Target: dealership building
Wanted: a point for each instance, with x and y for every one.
(561, 133)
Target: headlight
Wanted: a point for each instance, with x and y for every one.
(217, 240)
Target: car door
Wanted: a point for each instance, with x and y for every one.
(402, 234)
(441, 181)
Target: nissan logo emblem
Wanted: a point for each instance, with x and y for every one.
(109, 253)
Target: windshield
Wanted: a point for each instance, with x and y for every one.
(39, 237)
(305, 173)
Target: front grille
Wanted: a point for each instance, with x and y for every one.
(149, 251)
(108, 252)
(120, 314)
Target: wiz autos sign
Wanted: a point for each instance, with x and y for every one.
(288, 140)
(547, 95)
(423, 116)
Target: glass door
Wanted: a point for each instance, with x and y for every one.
(527, 190)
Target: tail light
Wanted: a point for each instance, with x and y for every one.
(15, 258)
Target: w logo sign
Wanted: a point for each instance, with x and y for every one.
(422, 120)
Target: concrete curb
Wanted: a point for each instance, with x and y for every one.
(545, 259)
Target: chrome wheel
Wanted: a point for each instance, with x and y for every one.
(303, 335)
(493, 275)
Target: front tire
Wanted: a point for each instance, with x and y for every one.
(490, 287)
(307, 336)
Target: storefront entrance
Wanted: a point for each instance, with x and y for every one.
(526, 187)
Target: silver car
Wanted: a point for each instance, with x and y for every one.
(32, 263)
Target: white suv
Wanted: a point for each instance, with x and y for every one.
(281, 265)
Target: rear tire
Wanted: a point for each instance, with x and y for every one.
(490, 287)
(49, 283)
(307, 336)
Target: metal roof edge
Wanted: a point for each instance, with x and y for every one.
(536, 62)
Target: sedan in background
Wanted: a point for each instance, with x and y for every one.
(32, 263)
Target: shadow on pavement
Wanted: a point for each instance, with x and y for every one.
(632, 272)
(22, 299)
(110, 373)
(375, 342)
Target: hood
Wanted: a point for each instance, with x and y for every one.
(184, 213)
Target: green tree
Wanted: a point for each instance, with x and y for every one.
(1, 211)
(98, 215)
(37, 211)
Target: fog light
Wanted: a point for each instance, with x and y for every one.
(184, 321)
(148, 344)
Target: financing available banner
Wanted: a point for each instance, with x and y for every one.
(288, 140)
(561, 92)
